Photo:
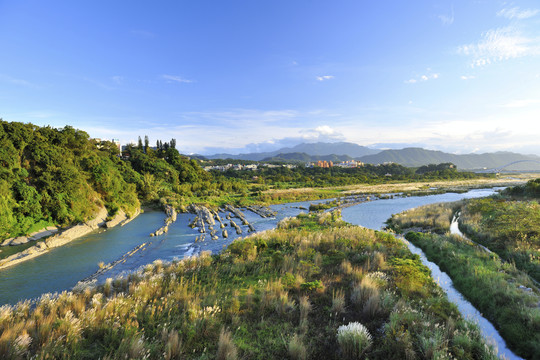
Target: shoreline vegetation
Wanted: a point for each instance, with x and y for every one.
(501, 283)
(315, 287)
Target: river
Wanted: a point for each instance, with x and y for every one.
(61, 268)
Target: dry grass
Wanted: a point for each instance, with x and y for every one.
(296, 348)
(226, 348)
(328, 192)
(183, 309)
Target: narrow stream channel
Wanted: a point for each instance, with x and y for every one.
(374, 215)
(454, 229)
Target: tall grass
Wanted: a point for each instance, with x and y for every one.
(492, 286)
(280, 294)
(354, 340)
(508, 227)
(433, 217)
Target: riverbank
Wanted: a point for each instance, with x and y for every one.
(67, 235)
(406, 187)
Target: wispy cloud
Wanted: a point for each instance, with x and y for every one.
(521, 103)
(240, 118)
(117, 79)
(325, 77)
(467, 77)
(174, 78)
(500, 44)
(447, 19)
(323, 133)
(95, 82)
(422, 78)
(16, 81)
(517, 13)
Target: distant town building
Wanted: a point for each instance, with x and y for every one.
(117, 143)
(324, 164)
(252, 167)
(99, 141)
(350, 164)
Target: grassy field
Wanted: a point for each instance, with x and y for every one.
(492, 286)
(500, 284)
(511, 228)
(315, 288)
(434, 218)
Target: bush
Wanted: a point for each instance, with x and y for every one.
(354, 339)
(311, 285)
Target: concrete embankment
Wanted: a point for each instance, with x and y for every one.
(65, 236)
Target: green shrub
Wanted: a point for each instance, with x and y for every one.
(311, 285)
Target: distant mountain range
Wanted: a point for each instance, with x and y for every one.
(343, 151)
(304, 157)
(312, 149)
(419, 157)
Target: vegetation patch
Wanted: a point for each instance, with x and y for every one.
(503, 294)
(511, 228)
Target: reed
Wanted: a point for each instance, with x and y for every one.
(183, 309)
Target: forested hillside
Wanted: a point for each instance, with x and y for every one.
(61, 176)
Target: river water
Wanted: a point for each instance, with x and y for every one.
(61, 268)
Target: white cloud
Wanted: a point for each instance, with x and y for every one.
(422, 78)
(521, 103)
(322, 133)
(500, 44)
(325, 130)
(325, 77)
(174, 78)
(467, 77)
(517, 13)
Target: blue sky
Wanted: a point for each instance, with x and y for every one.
(459, 76)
